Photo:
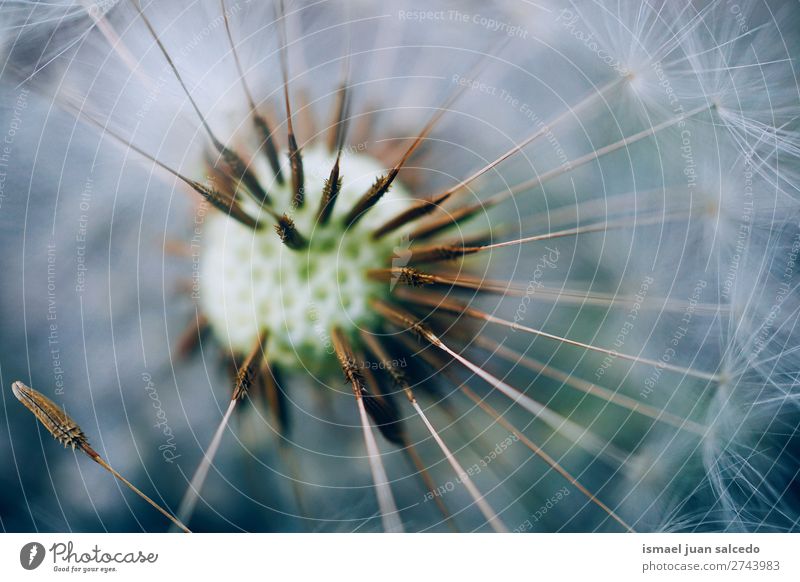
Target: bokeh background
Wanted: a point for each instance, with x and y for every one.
(93, 301)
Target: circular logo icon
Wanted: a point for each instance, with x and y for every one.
(31, 555)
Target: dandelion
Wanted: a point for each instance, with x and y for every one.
(455, 261)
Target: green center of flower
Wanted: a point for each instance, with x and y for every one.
(253, 282)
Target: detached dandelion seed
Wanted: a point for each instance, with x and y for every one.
(67, 432)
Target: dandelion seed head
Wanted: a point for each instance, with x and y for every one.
(251, 281)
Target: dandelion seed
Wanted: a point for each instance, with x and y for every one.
(557, 422)
(456, 307)
(485, 508)
(333, 185)
(242, 384)
(537, 450)
(289, 234)
(495, 199)
(237, 165)
(216, 198)
(67, 432)
(425, 207)
(261, 124)
(389, 513)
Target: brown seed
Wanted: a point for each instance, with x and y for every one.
(248, 371)
(289, 234)
(55, 420)
(330, 191)
(66, 431)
